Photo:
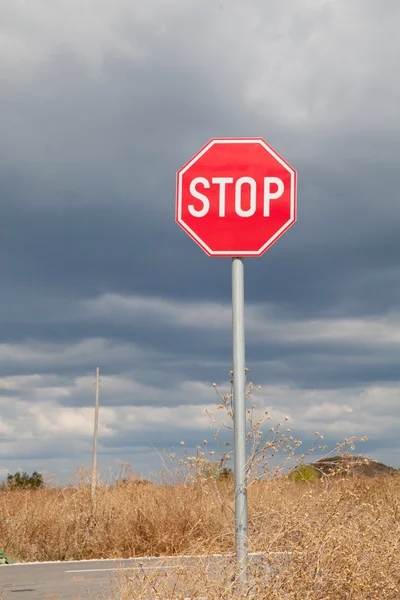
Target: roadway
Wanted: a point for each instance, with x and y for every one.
(79, 579)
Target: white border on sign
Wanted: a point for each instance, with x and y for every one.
(272, 239)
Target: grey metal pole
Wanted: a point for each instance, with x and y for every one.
(239, 416)
(95, 434)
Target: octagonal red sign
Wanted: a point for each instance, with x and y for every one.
(236, 197)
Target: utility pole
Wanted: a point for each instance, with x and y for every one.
(95, 434)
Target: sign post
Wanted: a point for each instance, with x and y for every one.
(235, 198)
(239, 417)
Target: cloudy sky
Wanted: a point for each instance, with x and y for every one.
(100, 103)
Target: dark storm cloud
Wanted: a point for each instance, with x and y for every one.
(95, 127)
(339, 258)
(314, 356)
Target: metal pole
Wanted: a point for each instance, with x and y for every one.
(95, 434)
(239, 416)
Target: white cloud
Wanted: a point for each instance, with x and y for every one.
(370, 410)
(116, 391)
(373, 332)
(52, 421)
(262, 322)
(87, 351)
(43, 428)
(318, 69)
(40, 407)
(31, 33)
(321, 66)
(191, 314)
(31, 424)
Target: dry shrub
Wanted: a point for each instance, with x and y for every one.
(128, 520)
(343, 534)
(342, 539)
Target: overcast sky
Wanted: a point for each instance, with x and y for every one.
(100, 104)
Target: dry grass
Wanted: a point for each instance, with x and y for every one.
(345, 535)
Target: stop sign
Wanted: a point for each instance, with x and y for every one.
(236, 197)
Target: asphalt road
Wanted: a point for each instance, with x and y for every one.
(67, 580)
(94, 578)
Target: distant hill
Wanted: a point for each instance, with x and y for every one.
(353, 466)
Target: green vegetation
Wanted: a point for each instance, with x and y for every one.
(4, 559)
(304, 474)
(22, 480)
